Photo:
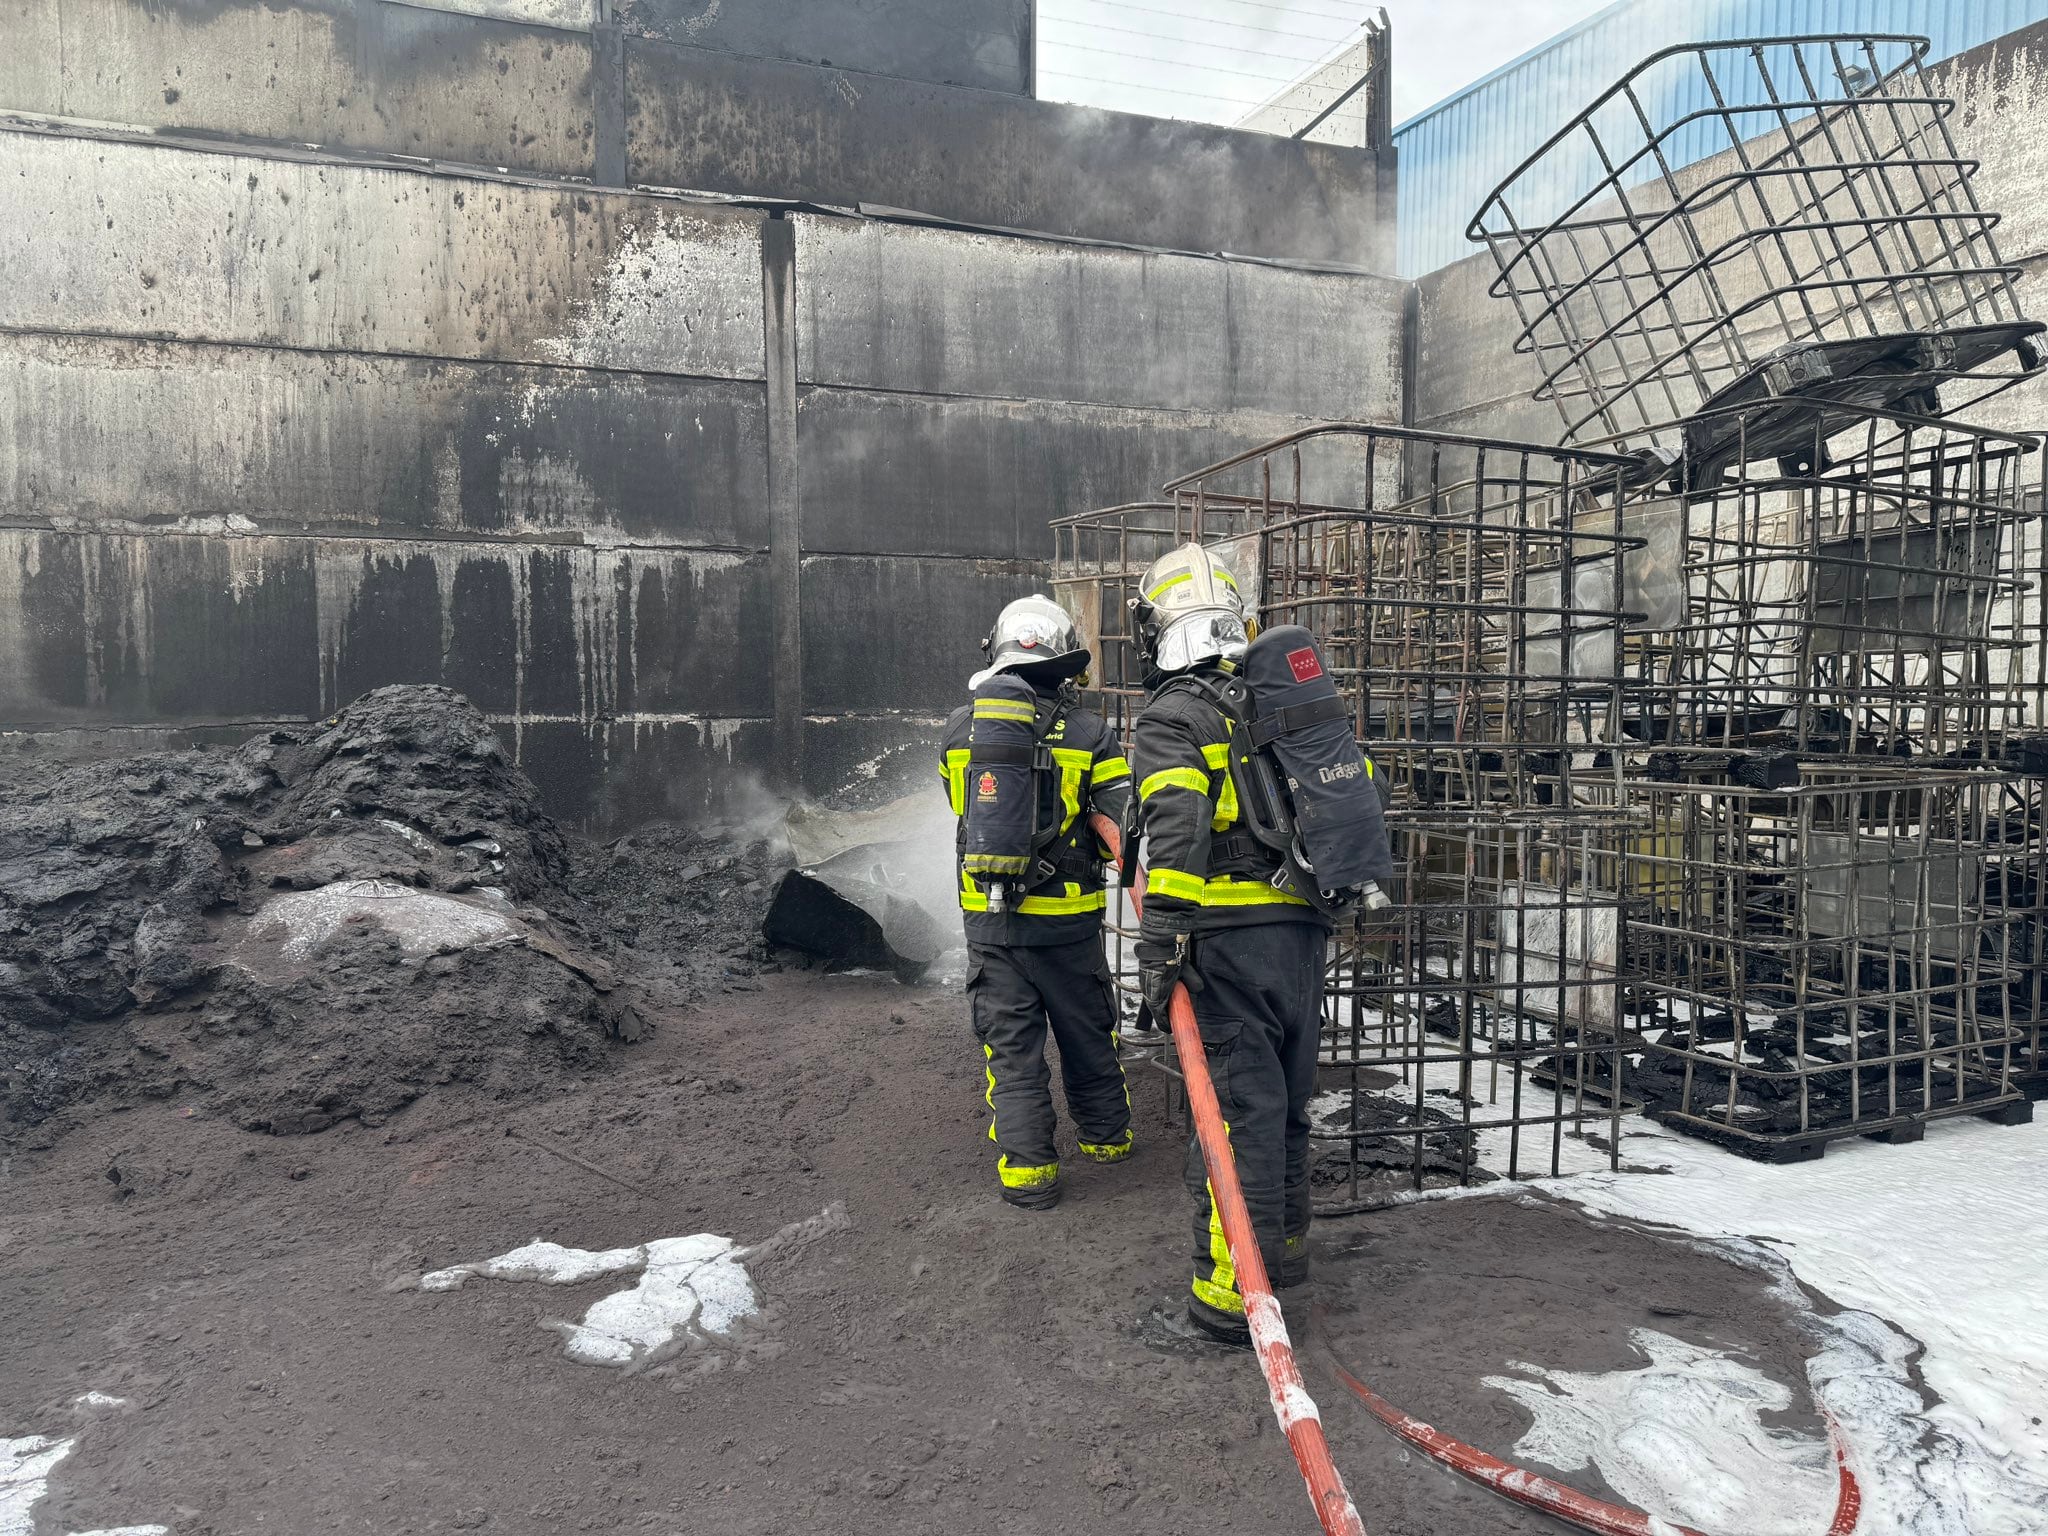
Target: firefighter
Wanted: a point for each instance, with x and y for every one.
(1034, 943)
(1251, 953)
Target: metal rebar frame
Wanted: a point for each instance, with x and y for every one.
(1471, 1031)
(1832, 900)
(1810, 237)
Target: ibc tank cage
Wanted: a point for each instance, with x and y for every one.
(1808, 240)
(1469, 1032)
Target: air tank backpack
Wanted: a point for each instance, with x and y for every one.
(1305, 790)
(1004, 831)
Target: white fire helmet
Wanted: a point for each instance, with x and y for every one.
(1189, 610)
(1036, 637)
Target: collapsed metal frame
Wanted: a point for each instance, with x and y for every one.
(1462, 1027)
(1812, 234)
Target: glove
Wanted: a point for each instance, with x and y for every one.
(1160, 966)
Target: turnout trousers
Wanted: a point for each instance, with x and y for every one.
(1015, 993)
(1260, 1012)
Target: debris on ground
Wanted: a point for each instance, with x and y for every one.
(329, 921)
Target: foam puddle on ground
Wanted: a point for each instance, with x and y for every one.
(1682, 1437)
(25, 1466)
(1940, 1252)
(688, 1285)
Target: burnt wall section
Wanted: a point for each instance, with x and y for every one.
(277, 430)
(717, 124)
(985, 44)
(958, 390)
(920, 105)
(1468, 378)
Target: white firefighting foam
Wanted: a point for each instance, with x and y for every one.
(1683, 1437)
(1938, 1248)
(25, 1466)
(687, 1285)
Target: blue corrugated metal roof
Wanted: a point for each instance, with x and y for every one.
(1459, 150)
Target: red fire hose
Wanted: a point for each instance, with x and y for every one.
(1292, 1405)
(1554, 1498)
(1296, 1410)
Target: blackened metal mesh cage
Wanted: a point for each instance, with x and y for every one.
(1810, 235)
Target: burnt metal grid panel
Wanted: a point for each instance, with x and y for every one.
(1876, 610)
(2030, 995)
(1832, 907)
(1730, 207)
(1486, 686)
(1836, 957)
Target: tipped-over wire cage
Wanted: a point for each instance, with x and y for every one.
(1732, 224)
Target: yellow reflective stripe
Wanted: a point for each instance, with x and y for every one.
(1073, 765)
(1111, 770)
(974, 899)
(989, 1055)
(1173, 581)
(1004, 709)
(1174, 778)
(1223, 891)
(1217, 755)
(1218, 1288)
(1109, 1151)
(1026, 1178)
(955, 774)
(1076, 900)
(1227, 891)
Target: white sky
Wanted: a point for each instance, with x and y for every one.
(1213, 60)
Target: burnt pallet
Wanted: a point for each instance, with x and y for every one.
(2012, 1108)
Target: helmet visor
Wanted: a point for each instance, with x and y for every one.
(1200, 637)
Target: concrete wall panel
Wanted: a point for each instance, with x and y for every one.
(906, 474)
(369, 76)
(980, 43)
(933, 311)
(121, 434)
(143, 240)
(895, 633)
(750, 126)
(205, 627)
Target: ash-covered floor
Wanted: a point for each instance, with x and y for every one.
(456, 1174)
(940, 1363)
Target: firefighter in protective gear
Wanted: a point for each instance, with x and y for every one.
(1035, 957)
(1251, 955)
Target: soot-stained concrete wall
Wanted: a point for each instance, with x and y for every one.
(277, 429)
(920, 105)
(986, 44)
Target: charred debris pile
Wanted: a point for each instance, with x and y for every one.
(333, 920)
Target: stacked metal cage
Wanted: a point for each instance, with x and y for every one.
(1474, 625)
(1833, 890)
(1715, 739)
(1834, 896)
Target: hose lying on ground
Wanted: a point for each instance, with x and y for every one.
(1292, 1405)
(1551, 1497)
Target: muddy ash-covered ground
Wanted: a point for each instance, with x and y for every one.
(934, 1361)
(943, 1364)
